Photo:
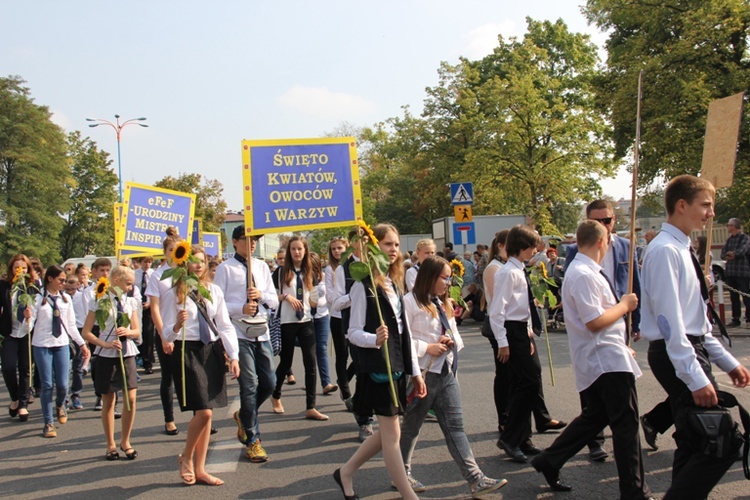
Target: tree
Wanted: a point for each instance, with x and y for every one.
(691, 52)
(210, 206)
(89, 226)
(35, 178)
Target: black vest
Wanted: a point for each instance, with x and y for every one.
(399, 346)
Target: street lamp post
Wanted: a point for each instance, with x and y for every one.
(117, 126)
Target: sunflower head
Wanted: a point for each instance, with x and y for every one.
(18, 274)
(543, 268)
(368, 231)
(101, 287)
(181, 253)
(457, 267)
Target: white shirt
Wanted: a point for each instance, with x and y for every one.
(138, 281)
(357, 334)
(231, 278)
(492, 267)
(321, 311)
(107, 334)
(288, 314)
(510, 299)
(156, 286)
(330, 279)
(426, 329)
(216, 310)
(79, 308)
(18, 329)
(586, 295)
(341, 299)
(411, 277)
(672, 307)
(42, 321)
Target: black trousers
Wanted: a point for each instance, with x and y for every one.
(525, 376)
(743, 285)
(693, 474)
(166, 385)
(342, 357)
(305, 334)
(15, 360)
(610, 400)
(146, 349)
(660, 417)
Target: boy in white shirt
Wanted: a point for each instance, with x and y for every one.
(604, 368)
(425, 248)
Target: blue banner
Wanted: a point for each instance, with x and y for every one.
(149, 211)
(300, 184)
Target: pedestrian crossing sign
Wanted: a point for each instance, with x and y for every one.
(462, 193)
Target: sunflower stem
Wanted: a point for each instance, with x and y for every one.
(392, 386)
(125, 394)
(184, 397)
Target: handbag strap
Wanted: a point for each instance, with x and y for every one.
(203, 312)
(728, 400)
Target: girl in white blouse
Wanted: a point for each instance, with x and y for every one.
(54, 327)
(108, 374)
(205, 382)
(437, 342)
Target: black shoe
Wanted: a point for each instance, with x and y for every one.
(551, 475)
(13, 412)
(337, 478)
(734, 324)
(530, 449)
(598, 454)
(171, 432)
(118, 415)
(649, 433)
(148, 371)
(552, 425)
(214, 430)
(513, 452)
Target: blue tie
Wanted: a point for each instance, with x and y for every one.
(19, 308)
(203, 329)
(56, 320)
(446, 328)
(300, 296)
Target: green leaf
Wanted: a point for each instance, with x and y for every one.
(382, 262)
(168, 273)
(116, 291)
(455, 294)
(101, 318)
(124, 320)
(359, 270)
(458, 281)
(551, 299)
(205, 293)
(191, 281)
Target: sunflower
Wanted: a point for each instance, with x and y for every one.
(18, 273)
(457, 267)
(181, 253)
(543, 268)
(368, 231)
(101, 287)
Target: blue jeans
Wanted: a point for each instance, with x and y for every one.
(322, 331)
(52, 362)
(443, 396)
(257, 380)
(76, 384)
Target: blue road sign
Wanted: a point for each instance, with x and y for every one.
(462, 193)
(464, 233)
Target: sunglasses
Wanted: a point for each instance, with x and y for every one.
(606, 220)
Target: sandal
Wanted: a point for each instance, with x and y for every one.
(130, 453)
(112, 455)
(209, 480)
(188, 476)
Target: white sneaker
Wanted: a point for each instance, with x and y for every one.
(486, 485)
(365, 431)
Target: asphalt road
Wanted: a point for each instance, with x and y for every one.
(304, 454)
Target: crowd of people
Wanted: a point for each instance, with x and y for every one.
(394, 328)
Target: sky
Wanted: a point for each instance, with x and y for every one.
(207, 75)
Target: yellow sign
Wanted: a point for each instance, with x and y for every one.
(462, 213)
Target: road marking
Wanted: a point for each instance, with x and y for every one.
(223, 456)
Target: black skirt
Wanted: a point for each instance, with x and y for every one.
(205, 375)
(372, 397)
(107, 374)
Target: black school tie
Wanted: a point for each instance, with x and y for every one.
(203, 329)
(446, 328)
(19, 308)
(300, 296)
(144, 298)
(704, 293)
(536, 321)
(56, 319)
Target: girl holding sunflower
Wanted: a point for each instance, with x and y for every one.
(377, 320)
(297, 323)
(54, 316)
(119, 333)
(155, 289)
(205, 322)
(14, 328)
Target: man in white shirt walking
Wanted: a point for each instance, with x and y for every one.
(604, 368)
(674, 320)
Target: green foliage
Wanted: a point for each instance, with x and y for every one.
(89, 226)
(520, 124)
(35, 177)
(210, 206)
(691, 52)
(359, 270)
